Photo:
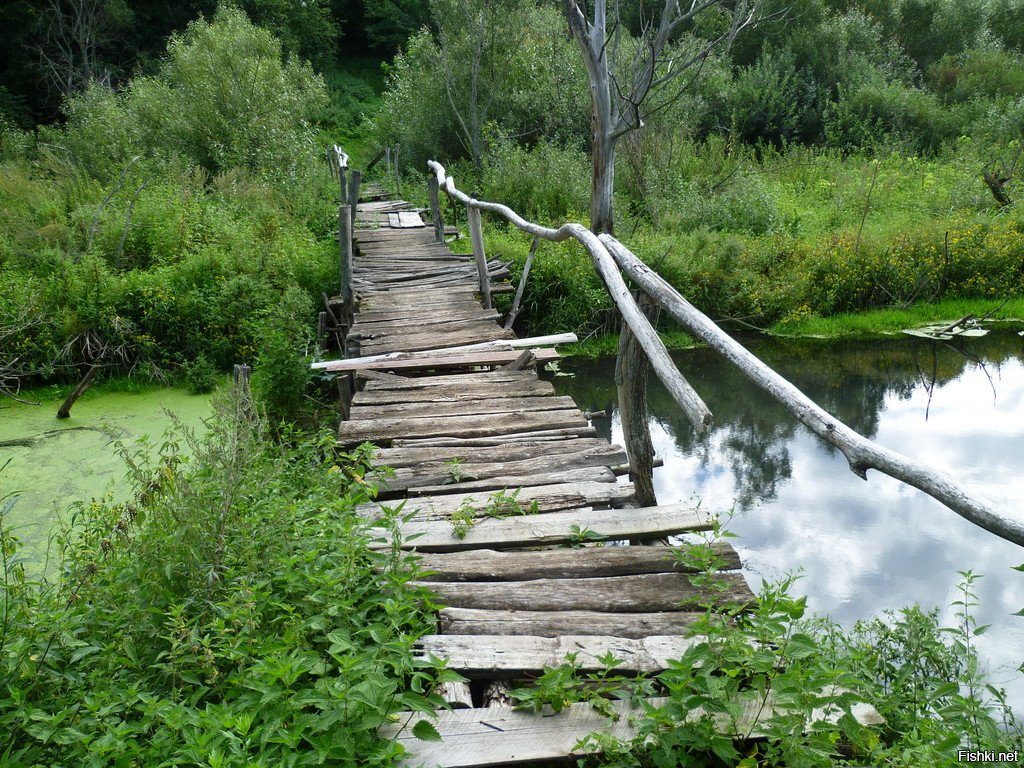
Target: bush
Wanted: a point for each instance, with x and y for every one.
(544, 183)
(282, 374)
(223, 98)
(231, 614)
(200, 376)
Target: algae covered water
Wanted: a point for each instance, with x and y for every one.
(862, 547)
(51, 464)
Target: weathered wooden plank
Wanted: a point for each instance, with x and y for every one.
(582, 563)
(597, 474)
(549, 498)
(455, 394)
(503, 736)
(462, 379)
(497, 656)
(366, 320)
(493, 405)
(455, 472)
(426, 361)
(643, 593)
(588, 448)
(474, 425)
(438, 326)
(552, 527)
(424, 342)
(475, 621)
(466, 307)
(550, 435)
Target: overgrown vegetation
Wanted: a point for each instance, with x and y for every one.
(231, 614)
(785, 687)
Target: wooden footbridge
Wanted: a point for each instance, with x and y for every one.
(512, 495)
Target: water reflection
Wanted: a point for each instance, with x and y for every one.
(863, 546)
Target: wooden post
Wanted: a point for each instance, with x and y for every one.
(240, 376)
(476, 235)
(522, 285)
(398, 178)
(353, 196)
(344, 242)
(631, 370)
(435, 208)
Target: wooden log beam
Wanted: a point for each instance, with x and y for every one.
(684, 395)
(431, 361)
(861, 453)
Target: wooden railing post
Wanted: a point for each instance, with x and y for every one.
(435, 208)
(344, 238)
(353, 195)
(476, 235)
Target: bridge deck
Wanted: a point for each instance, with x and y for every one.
(501, 474)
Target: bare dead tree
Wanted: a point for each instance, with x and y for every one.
(661, 65)
(74, 31)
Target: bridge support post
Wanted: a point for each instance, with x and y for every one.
(344, 241)
(631, 371)
(353, 197)
(435, 208)
(476, 236)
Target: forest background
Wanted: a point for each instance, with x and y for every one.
(163, 205)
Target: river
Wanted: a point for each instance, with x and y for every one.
(862, 547)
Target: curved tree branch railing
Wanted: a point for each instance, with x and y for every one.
(610, 256)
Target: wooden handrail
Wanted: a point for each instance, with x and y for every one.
(862, 454)
(684, 395)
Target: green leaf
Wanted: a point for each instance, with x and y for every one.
(424, 730)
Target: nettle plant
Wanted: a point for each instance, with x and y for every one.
(763, 685)
(232, 613)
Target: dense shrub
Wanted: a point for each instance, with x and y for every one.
(545, 183)
(231, 614)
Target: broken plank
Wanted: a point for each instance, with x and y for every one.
(642, 593)
(476, 621)
(582, 563)
(552, 527)
(497, 656)
(474, 425)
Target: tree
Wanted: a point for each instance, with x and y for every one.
(624, 92)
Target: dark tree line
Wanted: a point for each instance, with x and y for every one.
(53, 48)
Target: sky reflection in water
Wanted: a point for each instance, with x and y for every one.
(863, 547)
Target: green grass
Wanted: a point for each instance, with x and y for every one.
(885, 322)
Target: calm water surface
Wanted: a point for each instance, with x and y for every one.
(863, 547)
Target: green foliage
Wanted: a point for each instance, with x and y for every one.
(529, 83)
(762, 685)
(200, 375)
(231, 614)
(282, 373)
(499, 505)
(223, 98)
